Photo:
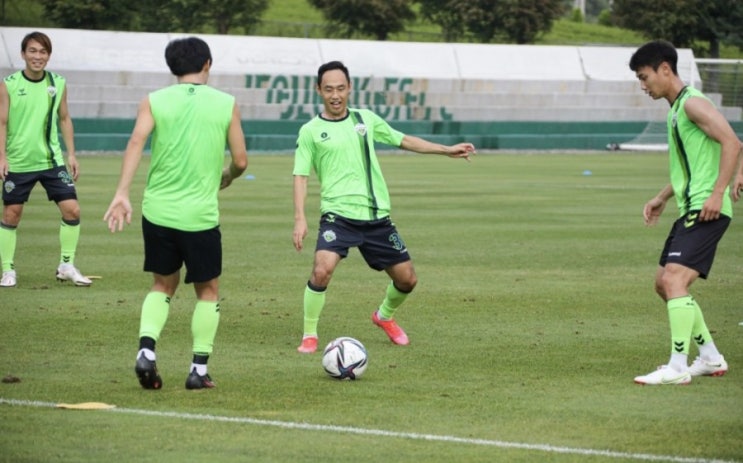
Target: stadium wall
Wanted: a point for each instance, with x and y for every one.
(498, 96)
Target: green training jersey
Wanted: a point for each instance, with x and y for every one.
(342, 155)
(188, 149)
(32, 141)
(694, 159)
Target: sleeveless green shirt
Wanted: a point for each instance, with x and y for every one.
(32, 139)
(694, 159)
(188, 150)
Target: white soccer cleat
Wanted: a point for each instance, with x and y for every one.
(68, 272)
(665, 374)
(700, 367)
(9, 279)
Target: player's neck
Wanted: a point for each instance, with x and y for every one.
(34, 75)
(198, 78)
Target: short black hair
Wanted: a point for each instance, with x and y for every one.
(654, 54)
(187, 55)
(331, 66)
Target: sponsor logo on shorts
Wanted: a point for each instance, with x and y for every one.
(9, 186)
(329, 236)
(397, 242)
(66, 178)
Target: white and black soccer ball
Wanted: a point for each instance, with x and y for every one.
(345, 358)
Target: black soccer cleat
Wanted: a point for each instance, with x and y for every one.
(195, 381)
(146, 371)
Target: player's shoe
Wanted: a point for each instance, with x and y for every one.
(700, 367)
(665, 374)
(146, 371)
(68, 272)
(393, 330)
(308, 346)
(9, 279)
(196, 381)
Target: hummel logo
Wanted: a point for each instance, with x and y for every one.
(699, 340)
(690, 219)
(678, 346)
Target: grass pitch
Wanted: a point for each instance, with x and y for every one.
(534, 311)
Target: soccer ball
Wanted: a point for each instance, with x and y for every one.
(345, 358)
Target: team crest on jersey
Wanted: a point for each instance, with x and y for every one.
(66, 178)
(9, 186)
(360, 129)
(51, 90)
(329, 236)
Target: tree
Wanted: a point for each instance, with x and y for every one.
(89, 14)
(685, 23)
(376, 18)
(449, 14)
(220, 16)
(519, 21)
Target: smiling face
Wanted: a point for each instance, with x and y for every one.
(36, 57)
(334, 89)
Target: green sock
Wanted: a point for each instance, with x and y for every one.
(681, 315)
(69, 234)
(391, 302)
(314, 301)
(204, 324)
(7, 246)
(154, 314)
(702, 337)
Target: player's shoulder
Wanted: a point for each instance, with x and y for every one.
(14, 77)
(56, 75)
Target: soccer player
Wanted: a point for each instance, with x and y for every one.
(190, 124)
(703, 151)
(33, 107)
(354, 202)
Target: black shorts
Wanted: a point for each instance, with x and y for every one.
(167, 249)
(692, 243)
(377, 240)
(56, 181)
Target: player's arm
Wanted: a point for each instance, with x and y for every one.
(300, 221)
(238, 151)
(4, 108)
(703, 113)
(738, 182)
(419, 145)
(120, 209)
(654, 208)
(68, 135)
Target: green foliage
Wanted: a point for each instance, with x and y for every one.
(220, 16)
(89, 14)
(534, 311)
(699, 24)
(576, 16)
(354, 18)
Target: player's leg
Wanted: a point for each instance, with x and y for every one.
(16, 191)
(8, 238)
(335, 237)
(163, 259)
(384, 249)
(60, 188)
(202, 253)
(313, 301)
(69, 236)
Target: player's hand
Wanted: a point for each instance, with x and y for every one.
(711, 208)
(73, 166)
(462, 150)
(652, 211)
(3, 169)
(300, 232)
(737, 188)
(226, 179)
(119, 212)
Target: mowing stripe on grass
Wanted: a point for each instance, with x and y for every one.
(382, 433)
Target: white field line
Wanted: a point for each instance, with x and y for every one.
(382, 433)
